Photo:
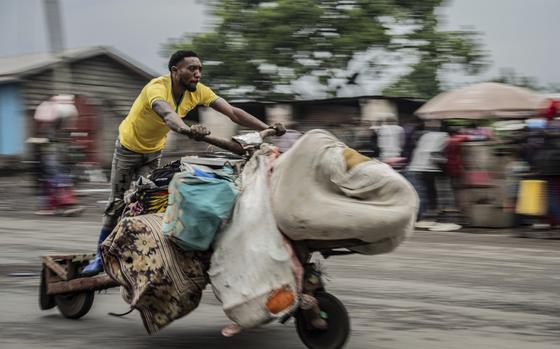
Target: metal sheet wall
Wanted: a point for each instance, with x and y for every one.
(12, 134)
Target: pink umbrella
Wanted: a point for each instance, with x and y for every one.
(60, 106)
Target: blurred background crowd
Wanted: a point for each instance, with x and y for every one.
(392, 79)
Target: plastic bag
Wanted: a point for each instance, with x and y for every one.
(250, 266)
(197, 208)
(532, 198)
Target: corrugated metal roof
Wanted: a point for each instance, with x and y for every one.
(330, 100)
(14, 67)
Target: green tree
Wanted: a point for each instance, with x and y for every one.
(511, 77)
(256, 49)
(437, 51)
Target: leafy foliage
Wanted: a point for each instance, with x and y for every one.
(258, 48)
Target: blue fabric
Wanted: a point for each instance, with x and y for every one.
(103, 235)
(95, 266)
(199, 173)
(197, 208)
(536, 123)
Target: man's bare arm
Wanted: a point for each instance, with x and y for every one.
(239, 116)
(172, 120)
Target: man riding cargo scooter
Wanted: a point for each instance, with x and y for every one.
(161, 106)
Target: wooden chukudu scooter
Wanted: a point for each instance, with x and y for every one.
(62, 285)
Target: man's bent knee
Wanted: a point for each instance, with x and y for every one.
(112, 213)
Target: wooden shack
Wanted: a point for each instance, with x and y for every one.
(105, 82)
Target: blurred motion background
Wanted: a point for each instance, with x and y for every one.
(461, 97)
(345, 65)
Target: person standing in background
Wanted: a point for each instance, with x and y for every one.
(428, 160)
(390, 139)
(454, 165)
(56, 190)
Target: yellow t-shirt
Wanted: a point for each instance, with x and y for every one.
(144, 131)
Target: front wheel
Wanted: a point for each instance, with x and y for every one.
(338, 329)
(74, 305)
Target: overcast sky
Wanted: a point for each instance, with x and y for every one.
(518, 34)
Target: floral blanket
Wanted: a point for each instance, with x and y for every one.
(158, 279)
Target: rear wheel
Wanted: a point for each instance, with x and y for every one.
(74, 305)
(338, 330)
(46, 301)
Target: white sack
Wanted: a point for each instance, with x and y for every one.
(250, 260)
(315, 197)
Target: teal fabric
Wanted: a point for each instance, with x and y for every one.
(197, 208)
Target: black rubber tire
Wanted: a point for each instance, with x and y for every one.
(45, 301)
(338, 331)
(74, 305)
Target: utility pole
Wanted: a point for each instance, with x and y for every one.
(62, 76)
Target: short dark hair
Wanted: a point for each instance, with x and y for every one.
(179, 56)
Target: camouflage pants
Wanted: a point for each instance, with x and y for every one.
(126, 167)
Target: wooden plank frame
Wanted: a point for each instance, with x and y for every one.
(49, 262)
(93, 283)
(62, 275)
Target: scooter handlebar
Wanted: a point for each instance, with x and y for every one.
(231, 145)
(267, 132)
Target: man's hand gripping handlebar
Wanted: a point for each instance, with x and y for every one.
(231, 145)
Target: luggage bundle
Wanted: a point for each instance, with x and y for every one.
(199, 203)
(161, 275)
(160, 280)
(150, 195)
(318, 190)
(323, 190)
(252, 271)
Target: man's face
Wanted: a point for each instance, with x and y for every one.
(188, 72)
